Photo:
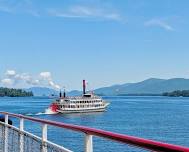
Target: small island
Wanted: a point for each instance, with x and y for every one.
(177, 93)
(10, 92)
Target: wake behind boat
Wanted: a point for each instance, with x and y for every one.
(88, 102)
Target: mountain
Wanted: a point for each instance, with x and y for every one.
(42, 91)
(112, 90)
(149, 86)
(74, 93)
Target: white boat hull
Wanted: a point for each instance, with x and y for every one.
(83, 110)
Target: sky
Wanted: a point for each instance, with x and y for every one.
(61, 42)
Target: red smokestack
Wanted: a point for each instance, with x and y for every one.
(84, 86)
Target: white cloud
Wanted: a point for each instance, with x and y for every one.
(12, 79)
(23, 76)
(10, 73)
(86, 13)
(51, 83)
(74, 11)
(45, 75)
(7, 82)
(159, 23)
(35, 82)
(26, 78)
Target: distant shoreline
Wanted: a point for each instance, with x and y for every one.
(10, 92)
(47, 97)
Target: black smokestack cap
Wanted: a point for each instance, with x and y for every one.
(84, 87)
(64, 93)
(60, 94)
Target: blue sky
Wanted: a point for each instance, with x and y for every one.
(104, 41)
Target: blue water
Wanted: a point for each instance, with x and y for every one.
(160, 118)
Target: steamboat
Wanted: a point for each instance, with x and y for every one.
(88, 102)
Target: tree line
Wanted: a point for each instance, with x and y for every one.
(177, 93)
(10, 92)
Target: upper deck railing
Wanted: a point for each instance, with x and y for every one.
(82, 98)
(89, 133)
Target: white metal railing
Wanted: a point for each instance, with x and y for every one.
(43, 142)
(44, 145)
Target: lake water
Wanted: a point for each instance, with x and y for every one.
(159, 118)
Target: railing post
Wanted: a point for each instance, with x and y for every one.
(88, 143)
(21, 135)
(6, 134)
(44, 138)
